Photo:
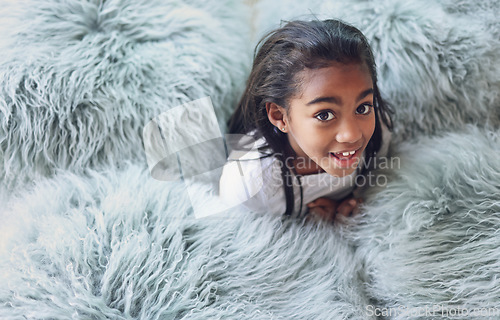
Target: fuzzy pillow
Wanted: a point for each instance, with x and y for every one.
(80, 79)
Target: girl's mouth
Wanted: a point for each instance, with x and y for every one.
(345, 159)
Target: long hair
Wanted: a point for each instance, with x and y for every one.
(285, 52)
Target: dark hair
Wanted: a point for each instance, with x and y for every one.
(285, 52)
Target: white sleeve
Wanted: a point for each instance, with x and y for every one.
(241, 183)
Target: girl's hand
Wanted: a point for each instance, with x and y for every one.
(327, 209)
(323, 208)
(349, 207)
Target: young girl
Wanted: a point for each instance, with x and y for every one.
(314, 109)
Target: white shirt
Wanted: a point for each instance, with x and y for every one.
(253, 179)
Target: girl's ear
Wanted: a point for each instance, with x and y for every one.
(277, 116)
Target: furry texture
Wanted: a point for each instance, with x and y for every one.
(435, 226)
(486, 11)
(99, 240)
(121, 245)
(438, 70)
(79, 79)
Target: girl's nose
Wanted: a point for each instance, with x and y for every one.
(349, 131)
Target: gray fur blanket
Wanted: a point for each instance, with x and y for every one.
(88, 233)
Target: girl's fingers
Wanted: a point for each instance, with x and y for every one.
(347, 207)
(322, 202)
(327, 209)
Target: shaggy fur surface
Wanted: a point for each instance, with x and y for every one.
(121, 245)
(486, 11)
(430, 238)
(438, 66)
(79, 79)
(96, 237)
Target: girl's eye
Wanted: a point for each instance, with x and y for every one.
(325, 116)
(364, 109)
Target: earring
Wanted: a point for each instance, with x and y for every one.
(283, 129)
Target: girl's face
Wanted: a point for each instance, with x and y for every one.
(331, 121)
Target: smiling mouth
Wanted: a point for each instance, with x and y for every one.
(346, 159)
(345, 155)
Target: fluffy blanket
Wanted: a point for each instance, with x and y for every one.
(88, 233)
(80, 79)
